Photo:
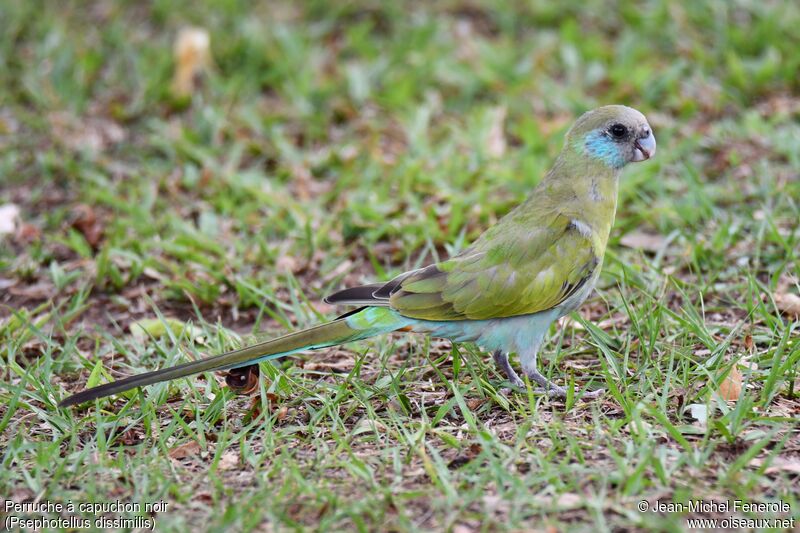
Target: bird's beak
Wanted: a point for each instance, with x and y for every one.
(645, 147)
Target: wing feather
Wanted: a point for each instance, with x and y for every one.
(505, 273)
(502, 276)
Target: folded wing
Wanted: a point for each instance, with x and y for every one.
(520, 270)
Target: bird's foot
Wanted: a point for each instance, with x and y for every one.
(557, 391)
(545, 385)
(561, 393)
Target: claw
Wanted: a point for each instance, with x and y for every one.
(559, 392)
(545, 385)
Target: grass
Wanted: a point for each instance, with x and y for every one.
(336, 144)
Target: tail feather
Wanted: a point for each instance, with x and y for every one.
(365, 323)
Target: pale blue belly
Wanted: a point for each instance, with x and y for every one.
(514, 334)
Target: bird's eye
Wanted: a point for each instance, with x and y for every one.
(618, 131)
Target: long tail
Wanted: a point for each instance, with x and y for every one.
(357, 325)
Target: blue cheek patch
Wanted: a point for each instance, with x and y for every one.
(601, 147)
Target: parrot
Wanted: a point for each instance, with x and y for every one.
(536, 264)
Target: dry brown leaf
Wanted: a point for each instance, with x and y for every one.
(567, 500)
(85, 221)
(40, 290)
(192, 52)
(204, 497)
(286, 264)
(131, 438)
(185, 450)
(228, 461)
(780, 464)
(368, 425)
(87, 133)
(272, 397)
(27, 233)
(788, 304)
(650, 242)
(748, 342)
(731, 387)
(474, 403)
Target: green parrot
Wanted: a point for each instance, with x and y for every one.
(540, 262)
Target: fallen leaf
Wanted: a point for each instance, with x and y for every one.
(788, 304)
(85, 134)
(563, 501)
(779, 464)
(41, 290)
(650, 242)
(324, 308)
(145, 328)
(568, 500)
(9, 218)
(699, 412)
(343, 267)
(496, 138)
(130, 438)
(474, 403)
(27, 233)
(367, 425)
(748, 342)
(282, 412)
(204, 497)
(192, 53)
(731, 387)
(287, 264)
(85, 221)
(243, 380)
(228, 461)
(152, 273)
(185, 450)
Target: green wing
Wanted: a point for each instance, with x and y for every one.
(513, 269)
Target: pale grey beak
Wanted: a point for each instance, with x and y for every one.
(645, 147)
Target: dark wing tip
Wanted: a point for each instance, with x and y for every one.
(362, 293)
(378, 293)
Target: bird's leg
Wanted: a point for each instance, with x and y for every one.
(548, 386)
(501, 360)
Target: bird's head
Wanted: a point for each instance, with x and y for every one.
(614, 134)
